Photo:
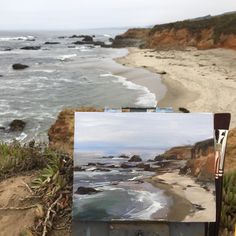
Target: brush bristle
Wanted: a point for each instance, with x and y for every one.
(222, 121)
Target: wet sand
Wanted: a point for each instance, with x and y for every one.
(199, 80)
(186, 193)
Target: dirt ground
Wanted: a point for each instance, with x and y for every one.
(12, 193)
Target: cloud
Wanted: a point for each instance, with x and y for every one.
(74, 14)
(152, 130)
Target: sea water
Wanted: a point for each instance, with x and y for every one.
(60, 77)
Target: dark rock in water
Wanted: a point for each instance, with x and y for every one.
(146, 167)
(76, 36)
(111, 166)
(142, 165)
(71, 46)
(78, 168)
(31, 48)
(125, 166)
(7, 49)
(81, 36)
(19, 66)
(1, 76)
(61, 37)
(87, 38)
(103, 45)
(108, 157)
(102, 169)
(184, 110)
(30, 40)
(135, 158)
(123, 156)
(17, 125)
(91, 164)
(159, 158)
(2, 128)
(99, 43)
(111, 40)
(79, 43)
(48, 43)
(86, 190)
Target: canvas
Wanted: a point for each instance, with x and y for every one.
(143, 167)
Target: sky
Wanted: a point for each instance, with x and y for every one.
(101, 131)
(81, 14)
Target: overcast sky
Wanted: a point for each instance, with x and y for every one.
(78, 14)
(103, 131)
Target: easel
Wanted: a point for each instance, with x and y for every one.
(140, 228)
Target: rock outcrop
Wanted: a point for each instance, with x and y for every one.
(135, 158)
(131, 38)
(202, 33)
(61, 133)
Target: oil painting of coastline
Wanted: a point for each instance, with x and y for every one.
(143, 166)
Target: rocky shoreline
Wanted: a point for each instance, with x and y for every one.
(190, 164)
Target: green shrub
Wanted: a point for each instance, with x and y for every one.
(228, 214)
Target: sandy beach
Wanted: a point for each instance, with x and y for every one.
(186, 194)
(199, 80)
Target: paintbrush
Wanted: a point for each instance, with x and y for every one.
(221, 127)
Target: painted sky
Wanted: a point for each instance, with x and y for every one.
(101, 131)
(78, 14)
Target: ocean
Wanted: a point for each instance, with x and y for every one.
(61, 76)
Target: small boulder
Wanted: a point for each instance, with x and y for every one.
(159, 158)
(48, 43)
(19, 66)
(125, 166)
(91, 164)
(123, 156)
(17, 125)
(1, 76)
(135, 158)
(31, 48)
(78, 168)
(86, 190)
(87, 38)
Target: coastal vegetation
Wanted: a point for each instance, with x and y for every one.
(50, 187)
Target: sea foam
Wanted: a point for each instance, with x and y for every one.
(147, 98)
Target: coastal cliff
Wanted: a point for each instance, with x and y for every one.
(61, 133)
(202, 33)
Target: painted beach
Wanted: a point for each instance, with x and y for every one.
(133, 166)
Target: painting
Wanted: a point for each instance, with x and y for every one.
(138, 166)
